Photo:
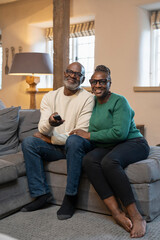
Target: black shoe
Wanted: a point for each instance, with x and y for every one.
(68, 207)
(38, 203)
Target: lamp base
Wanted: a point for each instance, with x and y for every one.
(32, 81)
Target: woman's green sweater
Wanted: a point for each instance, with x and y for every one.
(112, 122)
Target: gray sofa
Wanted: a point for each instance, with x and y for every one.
(144, 176)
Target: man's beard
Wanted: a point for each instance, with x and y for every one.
(71, 86)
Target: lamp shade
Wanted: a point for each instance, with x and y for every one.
(29, 63)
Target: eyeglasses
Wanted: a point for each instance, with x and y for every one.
(76, 74)
(101, 82)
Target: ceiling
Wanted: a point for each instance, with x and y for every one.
(7, 1)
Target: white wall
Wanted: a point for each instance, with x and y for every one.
(122, 43)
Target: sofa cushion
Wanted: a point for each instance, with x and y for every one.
(1, 105)
(18, 160)
(28, 123)
(59, 166)
(145, 171)
(9, 119)
(8, 172)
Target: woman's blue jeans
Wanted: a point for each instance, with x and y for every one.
(36, 151)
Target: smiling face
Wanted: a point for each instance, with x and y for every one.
(100, 88)
(74, 76)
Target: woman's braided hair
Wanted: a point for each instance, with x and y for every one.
(102, 68)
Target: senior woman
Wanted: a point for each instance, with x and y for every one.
(118, 143)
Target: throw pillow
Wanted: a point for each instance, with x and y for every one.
(1, 105)
(28, 124)
(9, 119)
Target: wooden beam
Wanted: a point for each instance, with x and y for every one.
(61, 24)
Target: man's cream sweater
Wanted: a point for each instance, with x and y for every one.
(75, 110)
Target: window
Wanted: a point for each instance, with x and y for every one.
(155, 48)
(81, 49)
(47, 80)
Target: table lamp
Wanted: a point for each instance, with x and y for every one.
(31, 64)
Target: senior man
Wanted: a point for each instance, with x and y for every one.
(74, 105)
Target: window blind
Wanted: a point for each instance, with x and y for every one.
(76, 30)
(49, 34)
(82, 29)
(155, 19)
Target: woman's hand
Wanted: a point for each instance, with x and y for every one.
(81, 133)
(42, 137)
